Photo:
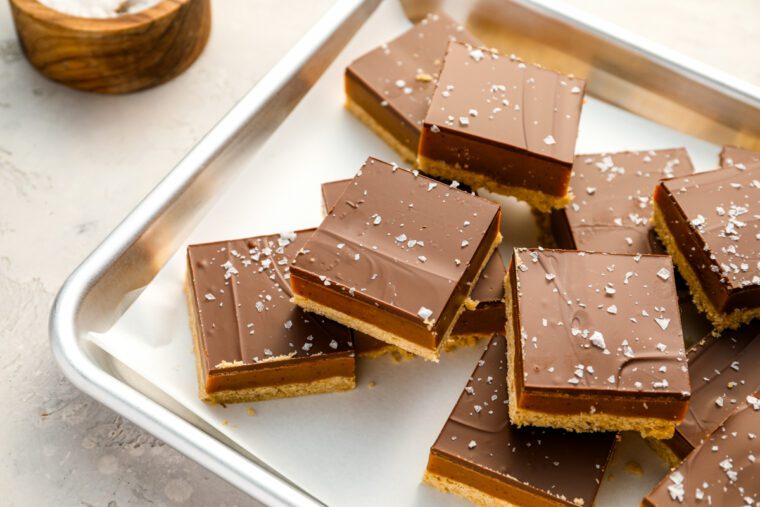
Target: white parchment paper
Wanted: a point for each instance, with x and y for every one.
(369, 446)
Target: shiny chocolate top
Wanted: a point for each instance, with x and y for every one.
(331, 192)
(500, 99)
(552, 463)
(613, 197)
(399, 239)
(724, 471)
(403, 72)
(489, 287)
(723, 371)
(597, 322)
(740, 158)
(723, 211)
(242, 292)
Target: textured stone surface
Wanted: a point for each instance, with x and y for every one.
(71, 166)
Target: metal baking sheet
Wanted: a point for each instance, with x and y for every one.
(370, 444)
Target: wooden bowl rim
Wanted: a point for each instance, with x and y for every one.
(41, 12)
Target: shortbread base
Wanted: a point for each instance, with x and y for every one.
(460, 489)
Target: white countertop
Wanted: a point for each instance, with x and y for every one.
(73, 164)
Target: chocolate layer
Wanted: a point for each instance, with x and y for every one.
(738, 158)
(250, 334)
(331, 192)
(496, 116)
(722, 371)
(488, 317)
(399, 251)
(715, 220)
(490, 286)
(394, 83)
(597, 330)
(527, 466)
(722, 471)
(613, 200)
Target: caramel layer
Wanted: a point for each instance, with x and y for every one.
(487, 318)
(451, 468)
(273, 374)
(377, 315)
(632, 406)
(502, 164)
(387, 117)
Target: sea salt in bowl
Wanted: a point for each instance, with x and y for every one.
(112, 46)
(99, 8)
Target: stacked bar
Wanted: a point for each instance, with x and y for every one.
(397, 257)
(469, 114)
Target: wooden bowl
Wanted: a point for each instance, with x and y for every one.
(113, 55)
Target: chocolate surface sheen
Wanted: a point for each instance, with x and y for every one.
(331, 192)
(245, 318)
(530, 466)
(723, 371)
(394, 83)
(739, 158)
(490, 285)
(723, 471)
(595, 322)
(613, 200)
